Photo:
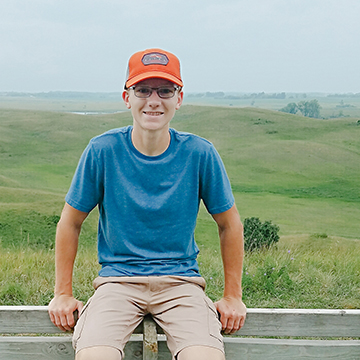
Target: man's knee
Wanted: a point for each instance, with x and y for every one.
(99, 353)
(200, 353)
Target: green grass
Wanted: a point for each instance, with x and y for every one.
(303, 174)
(300, 272)
(287, 168)
(292, 276)
(27, 275)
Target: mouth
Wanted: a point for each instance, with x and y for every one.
(153, 113)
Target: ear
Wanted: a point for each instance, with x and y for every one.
(180, 99)
(125, 96)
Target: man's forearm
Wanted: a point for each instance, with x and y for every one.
(232, 251)
(63, 305)
(65, 254)
(67, 239)
(231, 307)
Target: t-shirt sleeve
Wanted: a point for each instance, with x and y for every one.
(86, 188)
(215, 188)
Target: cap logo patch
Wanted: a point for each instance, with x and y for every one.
(155, 59)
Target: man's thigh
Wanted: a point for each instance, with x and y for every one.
(187, 316)
(110, 316)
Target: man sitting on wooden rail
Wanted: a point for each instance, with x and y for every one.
(147, 180)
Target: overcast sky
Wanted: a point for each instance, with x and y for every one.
(223, 45)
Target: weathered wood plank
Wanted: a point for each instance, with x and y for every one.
(302, 323)
(164, 353)
(26, 319)
(134, 349)
(260, 322)
(150, 344)
(273, 349)
(34, 320)
(59, 348)
(36, 348)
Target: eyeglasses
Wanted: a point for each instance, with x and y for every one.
(164, 92)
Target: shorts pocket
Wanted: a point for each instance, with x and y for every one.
(213, 320)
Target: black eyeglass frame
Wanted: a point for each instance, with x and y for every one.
(176, 87)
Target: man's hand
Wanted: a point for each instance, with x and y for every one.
(233, 314)
(61, 311)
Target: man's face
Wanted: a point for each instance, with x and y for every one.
(153, 112)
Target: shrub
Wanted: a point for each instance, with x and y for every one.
(259, 235)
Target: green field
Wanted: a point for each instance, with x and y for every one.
(301, 173)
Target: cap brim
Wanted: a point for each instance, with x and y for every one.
(154, 74)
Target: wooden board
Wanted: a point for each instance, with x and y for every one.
(26, 319)
(31, 320)
(284, 349)
(260, 322)
(59, 348)
(36, 348)
(302, 323)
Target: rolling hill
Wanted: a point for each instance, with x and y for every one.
(301, 173)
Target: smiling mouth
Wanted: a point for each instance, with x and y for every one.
(153, 113)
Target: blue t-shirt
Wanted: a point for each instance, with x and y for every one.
(148, 205)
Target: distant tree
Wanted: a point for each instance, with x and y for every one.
(290, 108)
(307, 108)
(310, 108)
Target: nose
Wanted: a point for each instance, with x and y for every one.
(154, 99)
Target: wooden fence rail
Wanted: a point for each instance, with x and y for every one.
(26, 332)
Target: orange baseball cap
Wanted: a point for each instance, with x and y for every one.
(153, 63)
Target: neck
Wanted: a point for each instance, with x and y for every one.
(151, 143)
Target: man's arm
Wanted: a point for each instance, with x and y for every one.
(63, 305)
(231, 308)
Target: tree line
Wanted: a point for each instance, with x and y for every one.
(222, 95)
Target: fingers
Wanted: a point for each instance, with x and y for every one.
(62, 314)
(232, 317)
(60, 322)
(231, 324)
(70, 322)
(64, 322)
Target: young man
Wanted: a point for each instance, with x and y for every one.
(147, 180)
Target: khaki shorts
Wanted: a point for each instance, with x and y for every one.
(178, 304)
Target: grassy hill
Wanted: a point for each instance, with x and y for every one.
(301, 173)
